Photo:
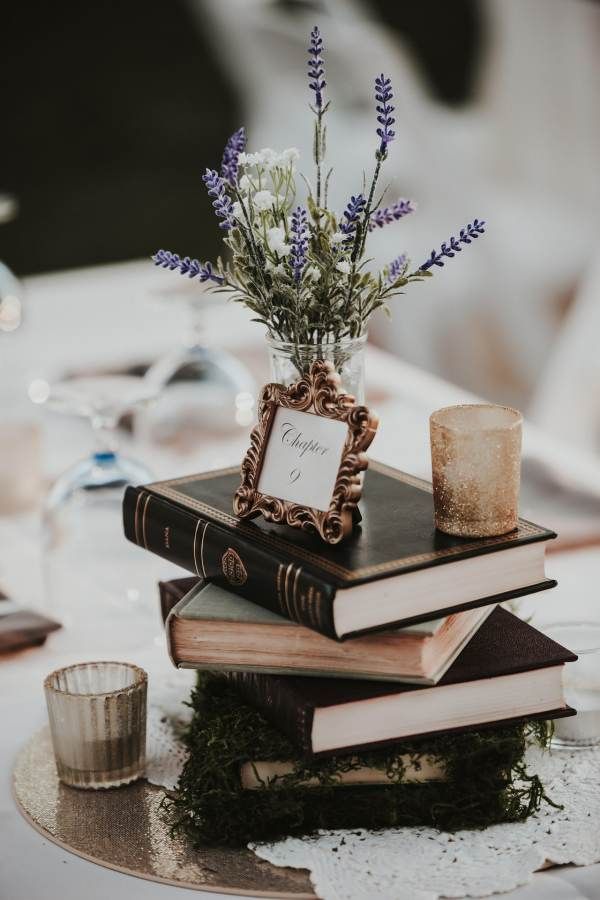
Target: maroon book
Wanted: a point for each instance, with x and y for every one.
(24, 628)
(509, 672)
(171, 592)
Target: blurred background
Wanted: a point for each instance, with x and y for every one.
(113, 110)
(111, 114)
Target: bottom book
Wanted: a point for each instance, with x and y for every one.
(257, 774)
(244, 781)
(507, 673)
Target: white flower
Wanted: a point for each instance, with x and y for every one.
(256, 159)
(289, 156)
(313, 273)
(343, 266)
(268, 158)
(278, 269)
(245, 183)
(237, 210)
(338, 237)
(275, 236)
(276, 241)
(263, 200)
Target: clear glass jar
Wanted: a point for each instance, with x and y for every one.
(290, 361)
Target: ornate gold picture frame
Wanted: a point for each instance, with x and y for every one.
(317, 392)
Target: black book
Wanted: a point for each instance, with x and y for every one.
(508, 672)
(395, 570)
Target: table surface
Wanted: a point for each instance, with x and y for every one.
(110, 316)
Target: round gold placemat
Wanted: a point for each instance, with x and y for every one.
(122, 829)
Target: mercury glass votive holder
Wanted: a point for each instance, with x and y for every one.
(476, 469)
(97, 713)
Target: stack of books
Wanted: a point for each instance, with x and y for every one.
(396, 634)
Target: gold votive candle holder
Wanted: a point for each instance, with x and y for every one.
(476, 469)
(97, 713)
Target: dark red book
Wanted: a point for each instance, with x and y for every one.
(395, 570)
(171, 592)
(24, 628)
(509, 672)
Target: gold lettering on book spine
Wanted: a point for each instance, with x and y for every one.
(318, 391)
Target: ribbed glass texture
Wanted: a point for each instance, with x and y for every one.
(97, 713)
(476, 469)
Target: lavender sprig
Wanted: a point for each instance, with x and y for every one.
(316, 66)
(452, 246)
(193, 268)
(222, 204)
(396, 268)
(390, 214)
(235, 145)
(317, 83)
(383, 95)
(299, 242)
(351, 214)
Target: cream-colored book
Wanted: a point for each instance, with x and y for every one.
(213, 629)
(266, 773)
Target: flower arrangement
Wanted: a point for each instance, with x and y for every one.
(300, 269)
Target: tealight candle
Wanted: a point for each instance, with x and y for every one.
(476, 468)
(97, 715)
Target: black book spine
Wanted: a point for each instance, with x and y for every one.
(275, 698)
(229, 558)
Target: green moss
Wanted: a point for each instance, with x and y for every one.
(486, 780)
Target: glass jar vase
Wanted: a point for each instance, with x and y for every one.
(290, 361)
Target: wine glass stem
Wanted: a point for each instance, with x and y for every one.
(104, 433)
(196, 335)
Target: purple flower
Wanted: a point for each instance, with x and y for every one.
(186, 266)
(216, 188)
(390, 214)
(383, 95)
(235, 145)
(351, 213)
(316, 67)
(299, 242)
(396, 267)
(452, 247)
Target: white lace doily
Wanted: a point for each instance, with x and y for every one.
(423, 864)
(415, 863)
(167, 715)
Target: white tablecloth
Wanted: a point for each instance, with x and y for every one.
(105, 316)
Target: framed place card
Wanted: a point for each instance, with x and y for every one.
(304, 464)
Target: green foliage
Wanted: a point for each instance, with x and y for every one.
(486, 783)
(334, 295)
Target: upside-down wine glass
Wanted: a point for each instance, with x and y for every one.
(200, 386)
(94, 580)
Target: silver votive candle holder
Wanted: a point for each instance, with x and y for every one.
(476, 469)
(97, 713)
